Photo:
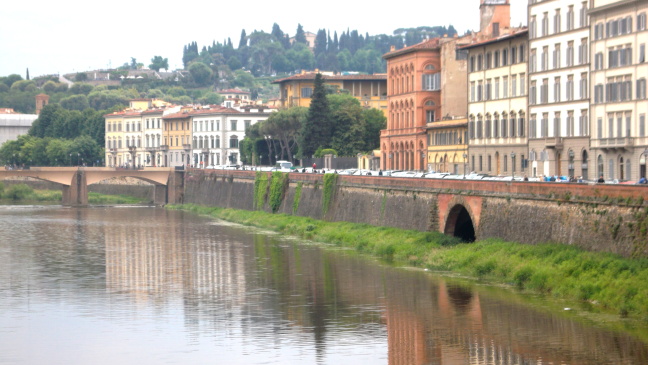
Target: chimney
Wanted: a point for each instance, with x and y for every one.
(392, 48)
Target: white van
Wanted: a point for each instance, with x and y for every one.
(285, 166)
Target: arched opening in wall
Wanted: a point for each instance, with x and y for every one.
(460, 224)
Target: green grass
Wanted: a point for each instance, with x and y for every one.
(607, 281)
(23, 193)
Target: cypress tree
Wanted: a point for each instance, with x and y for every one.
(317, 129)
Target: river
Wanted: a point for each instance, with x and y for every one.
(141, 285)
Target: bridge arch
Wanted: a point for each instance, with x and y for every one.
(459, 223)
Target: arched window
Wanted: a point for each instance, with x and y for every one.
(599, 165)
(218, 142)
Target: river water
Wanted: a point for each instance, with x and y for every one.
(138, 285)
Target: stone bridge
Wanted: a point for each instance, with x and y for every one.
(599, 217)
(74, 181)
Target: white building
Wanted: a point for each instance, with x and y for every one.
(618, 87)
(558, 87)
(217, 131)
(14, 124)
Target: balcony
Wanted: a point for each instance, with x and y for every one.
(554, 142)
(164, 147)
(613, 143)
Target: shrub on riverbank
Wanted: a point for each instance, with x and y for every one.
(24, 193)
(562, 271)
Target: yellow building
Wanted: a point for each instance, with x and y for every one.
(447, 148)
(177, 138)
(371, 90)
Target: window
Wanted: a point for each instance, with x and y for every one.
(642, 53)
(545, 24)
(247, 123)
(497, 87)
(570, 17)
(233, 125)
(642, 125)
(641, 89)
(533, 61)
(306, 92)
(503, 126)
(583, 86)
(532, 126)
(545, 59)
(533, 27)
(488, 90)
(533, 93)
(513, 86)
(544, 91)
(544, 125)
(496, 59)
(569, 60)
(488, 60)
(480, 62)
(557, 20)
(233, 142)
(520, 126)
(480, 88)
(556, 127)
(432, 82)
(582, 52)
(570, 88)
(598, 31)
(598, 93)
(583, 123)
(598, 61)
(429, 116)
(505, 87)
(570, 124)
(522, 84)
(556, 56)
(583, 14)
(471, 64)
(504, 57)
(514, 59)
(641, 21)
(472, 91)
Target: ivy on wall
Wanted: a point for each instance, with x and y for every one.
(330, 181)
(278, 185)
(297, 198)
(260, 189)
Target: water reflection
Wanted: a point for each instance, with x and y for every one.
(183, 289)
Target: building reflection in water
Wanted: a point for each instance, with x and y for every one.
(267, 284)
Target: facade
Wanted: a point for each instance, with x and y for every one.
(447, 149)
(177, 138)
(558, 88)
(497, 104)
(619, 142)
(371, 90)
(217, 132)
(414, 97)
(14, 124)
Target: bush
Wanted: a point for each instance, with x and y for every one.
(18, 192)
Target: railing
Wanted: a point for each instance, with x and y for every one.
(619, 142)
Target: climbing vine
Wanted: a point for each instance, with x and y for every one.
(298, 191)
(278, 186)
(260, 189)
(329, 184)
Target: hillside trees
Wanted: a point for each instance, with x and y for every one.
(158, 63)
(318, 127)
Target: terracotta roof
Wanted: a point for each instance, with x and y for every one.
(218, 110)
(7, 111)
(180, 115)
(124, 113)
(427, 45)
(520, 32)
(311, 76)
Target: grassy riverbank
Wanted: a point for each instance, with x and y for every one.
(24, 194)
(606, 281)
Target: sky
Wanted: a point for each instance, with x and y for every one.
(65, 36)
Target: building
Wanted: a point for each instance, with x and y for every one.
(14, 124)
(371, 90)
(558, 88)
(497, 103)
(176, 138)
(447, 143)
(618, 71)
(217, 132)
(234, 97)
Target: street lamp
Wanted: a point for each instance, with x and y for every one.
(513, 165)
(465, 156)
(70, 159)
(78, 156)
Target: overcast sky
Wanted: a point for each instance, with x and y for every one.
(72, 35)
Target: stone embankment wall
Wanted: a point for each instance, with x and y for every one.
(116, 186)
(609, 218)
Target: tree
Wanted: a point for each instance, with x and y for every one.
(27, 76)
(201, 73)
(75, 102)
(300, 36)
(81, 88)
(375, 122)
(42, 125)
(284, 127)
(157, 63)
(348, 124)
(317, 128)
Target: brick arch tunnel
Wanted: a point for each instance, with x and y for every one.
(460, 224)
